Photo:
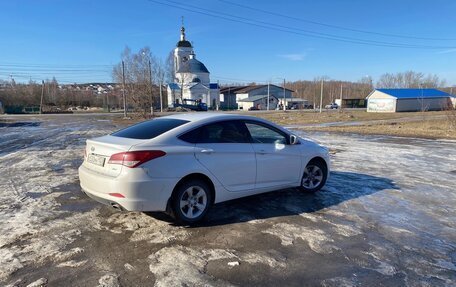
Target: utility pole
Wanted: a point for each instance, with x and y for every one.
(218, 100)
(161, 96)
(151, 96)
(229, 97)
(284, 106)
(268, 96)
(340, 108)
(182, 89)
(321, 95)
(123, 90)
(107, 101)
(42, 96)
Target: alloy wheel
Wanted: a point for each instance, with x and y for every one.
(193, 202)
(313, 177)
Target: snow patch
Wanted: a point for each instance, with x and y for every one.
(72, 263)
(183, 266)
(129, 267)
(318, 240)
(339, 282)
(109, 280)
(42, 282)
(233, 263)
(146, 228)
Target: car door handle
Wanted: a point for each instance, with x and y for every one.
(207, 151)
(261, 151)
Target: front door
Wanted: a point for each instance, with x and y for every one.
(278, 162)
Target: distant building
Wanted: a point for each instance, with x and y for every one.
(237, 96)
(191, 79)
(259, 102)
(407, 100)
(351, 103)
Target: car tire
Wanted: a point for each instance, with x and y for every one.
(191, 201)
(314, 176)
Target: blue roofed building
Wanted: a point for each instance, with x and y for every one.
(407, 100)
(191, 78)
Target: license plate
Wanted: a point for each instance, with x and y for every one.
(96, 159)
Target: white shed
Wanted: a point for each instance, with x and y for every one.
(407, 100)
(259, 102)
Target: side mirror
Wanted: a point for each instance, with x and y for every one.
(293, 140)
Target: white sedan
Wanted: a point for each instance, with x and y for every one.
(183, 164)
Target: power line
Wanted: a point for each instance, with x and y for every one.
(334, 26)
(237, 79)
(12, 64)
(307, 33)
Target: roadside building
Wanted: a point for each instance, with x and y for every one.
(407, 100)
(351, 103)
(232, 96)
(259, 102)
(228, 97)
(296, 103)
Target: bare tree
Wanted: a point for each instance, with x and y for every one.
(409, 79)
(139, 77)
(169, 68)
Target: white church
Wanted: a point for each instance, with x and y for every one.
(191, 79)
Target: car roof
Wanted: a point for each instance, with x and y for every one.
(200, 116)
(197, 119)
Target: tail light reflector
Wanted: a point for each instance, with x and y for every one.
(135, 158)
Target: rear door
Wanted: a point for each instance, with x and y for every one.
(224, 149)
(278, 162)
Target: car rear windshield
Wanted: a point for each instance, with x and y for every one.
(149, 129)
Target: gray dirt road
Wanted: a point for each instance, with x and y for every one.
(386, 218)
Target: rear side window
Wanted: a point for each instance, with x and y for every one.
(220, 132)
(149, 129)
(191, 136)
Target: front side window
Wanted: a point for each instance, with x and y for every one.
(263, 134)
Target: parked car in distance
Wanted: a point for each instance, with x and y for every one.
(308, 107)
(332, 106)
(194, 105)
(183, 164)
(254, 109)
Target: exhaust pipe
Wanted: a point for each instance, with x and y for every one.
(116, 206)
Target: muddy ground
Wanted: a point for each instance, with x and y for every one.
(385, 218)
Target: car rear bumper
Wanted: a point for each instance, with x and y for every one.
(141, 192)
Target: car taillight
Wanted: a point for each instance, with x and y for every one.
(135, 158)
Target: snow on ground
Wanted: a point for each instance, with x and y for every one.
(386, 217)
(34, 161)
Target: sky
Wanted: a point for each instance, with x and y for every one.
(239, 41)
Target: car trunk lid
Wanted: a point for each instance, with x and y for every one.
(99, 150)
